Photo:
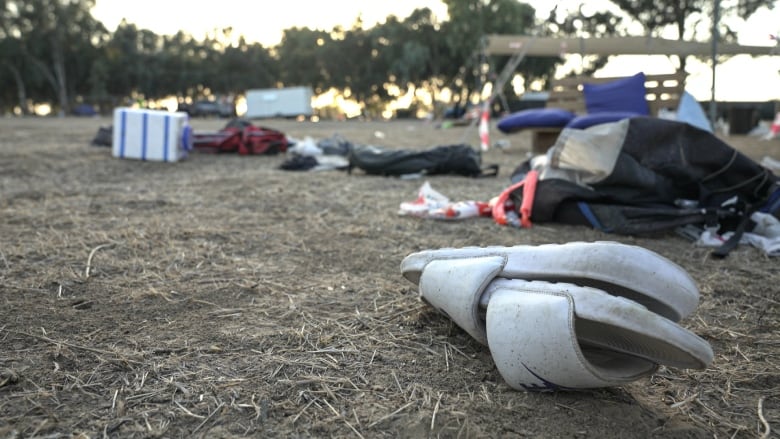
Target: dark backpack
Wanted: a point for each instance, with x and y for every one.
(447, 159)
(668, 174)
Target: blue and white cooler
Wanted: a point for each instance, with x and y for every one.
(151, 135)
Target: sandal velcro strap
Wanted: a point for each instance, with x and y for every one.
(621, 270)
(454, 288)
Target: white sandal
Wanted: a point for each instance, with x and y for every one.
(547, 335)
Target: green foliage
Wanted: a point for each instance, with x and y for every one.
(691, 19)
(585, 24)
(683, 16)
(51, 44)
(304, 57)
(472, 20)
(54, 51)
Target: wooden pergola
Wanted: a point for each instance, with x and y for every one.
(513, 45)
(550, 46)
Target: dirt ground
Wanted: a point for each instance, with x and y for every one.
(222, 297)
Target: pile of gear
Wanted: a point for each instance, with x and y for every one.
(242, 137)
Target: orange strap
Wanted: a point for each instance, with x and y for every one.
(529, 190)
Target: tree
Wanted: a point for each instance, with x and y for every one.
(23, 81)
(12, 66)
(366, 73)
(55, 51)
(302, 59)
(128, 54)
(686, 17)
(470, 21)
(414, 52)
(180, 63)
(245, 66)
(586, 24)
(53, 35)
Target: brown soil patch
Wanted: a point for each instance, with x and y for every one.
(222, 297)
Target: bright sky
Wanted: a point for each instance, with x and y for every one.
(740, 79)
(258, 21)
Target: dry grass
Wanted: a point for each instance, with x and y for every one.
(222, 297)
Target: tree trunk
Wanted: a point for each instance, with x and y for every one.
(56, 78)
(680, 36)
(21, 89)
(58, 65)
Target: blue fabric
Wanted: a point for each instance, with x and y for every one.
(591, 217)
(588, 120)
(535, 118)
(773, 203)
(690, 111)
(627, 94)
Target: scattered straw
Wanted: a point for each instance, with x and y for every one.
(246, 301)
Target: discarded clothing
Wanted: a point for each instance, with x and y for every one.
(446, 159)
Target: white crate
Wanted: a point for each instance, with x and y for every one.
(151, 135)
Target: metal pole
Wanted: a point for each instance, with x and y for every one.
(715, 19)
